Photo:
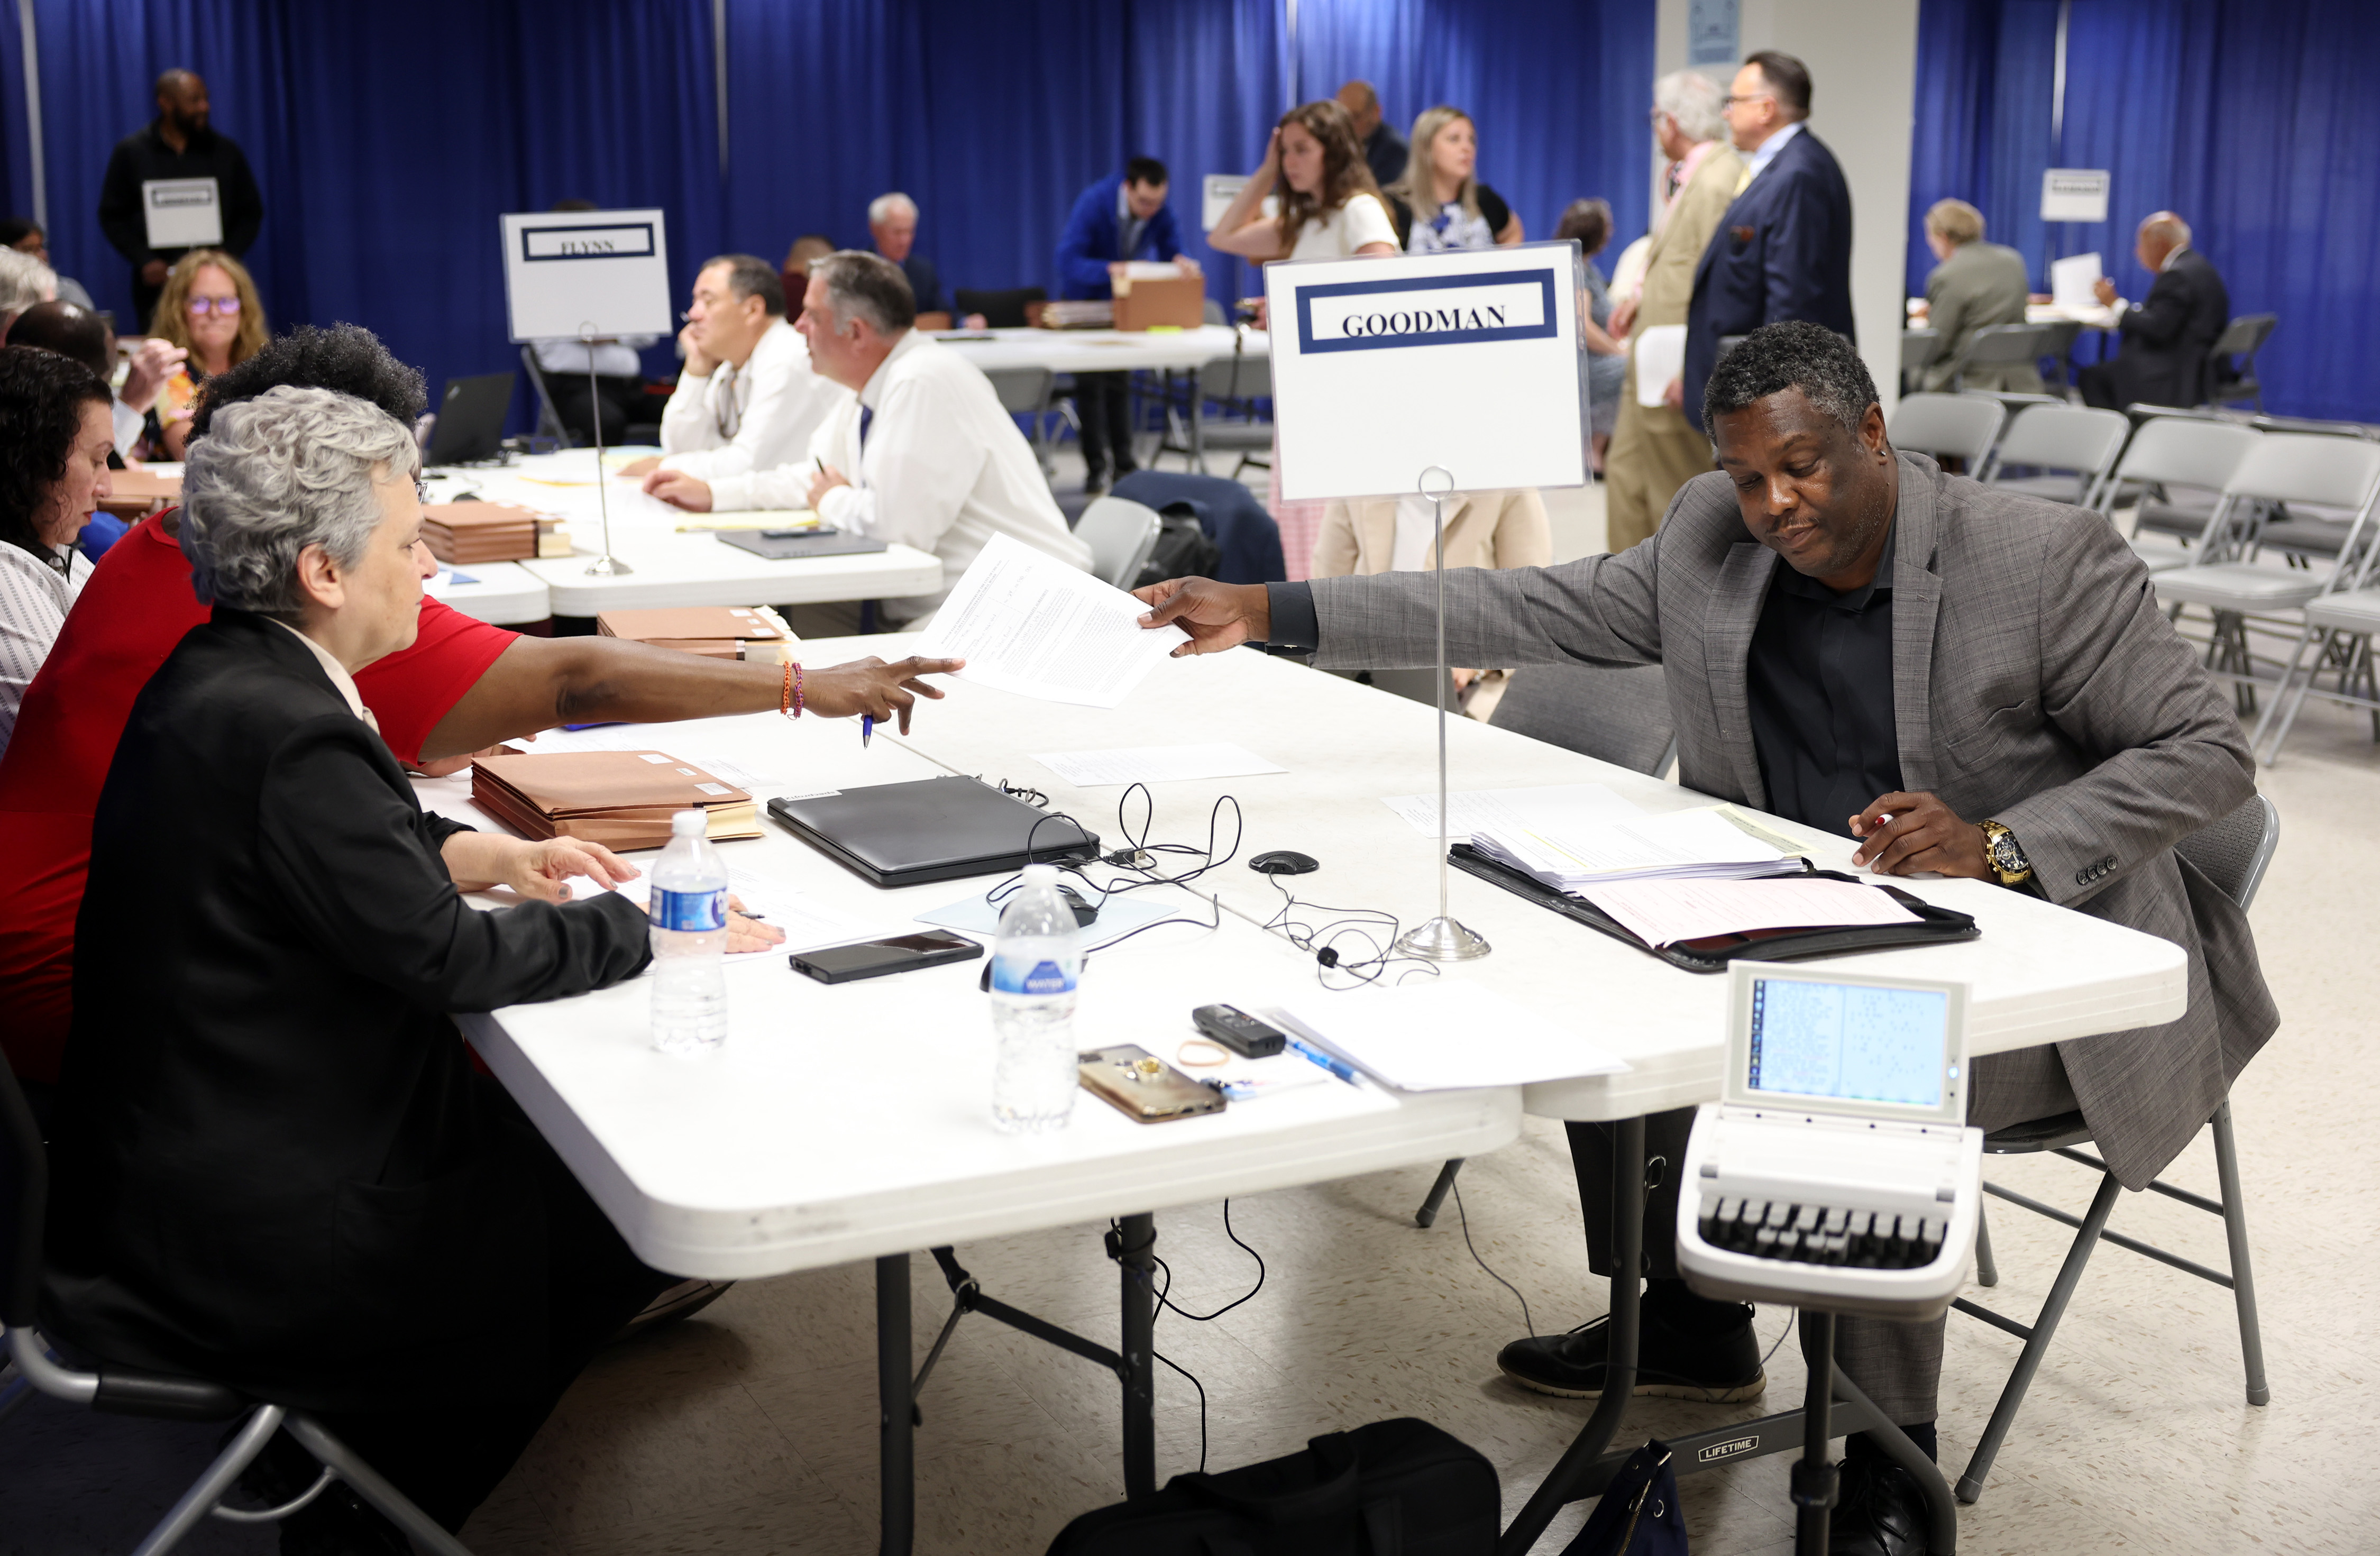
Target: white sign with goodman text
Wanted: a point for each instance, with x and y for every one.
(1471, 361)
(577, 274)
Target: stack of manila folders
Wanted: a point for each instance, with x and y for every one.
(1687, 875)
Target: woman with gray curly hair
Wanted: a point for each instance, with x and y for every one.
(273, 1160)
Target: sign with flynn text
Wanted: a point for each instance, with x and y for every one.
(1468, 360)
(574, 273)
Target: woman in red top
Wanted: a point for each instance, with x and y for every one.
(462, 687)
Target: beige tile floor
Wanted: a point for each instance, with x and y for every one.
(751, 1429)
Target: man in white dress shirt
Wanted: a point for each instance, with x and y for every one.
(936, 463)
(746, 399)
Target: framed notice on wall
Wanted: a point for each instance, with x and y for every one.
(578, 273)
(1469, 361)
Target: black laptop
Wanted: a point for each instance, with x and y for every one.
(470, 422)
(931, 829)
(781, 546)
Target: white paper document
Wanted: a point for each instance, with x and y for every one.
(1684, 844)
(1660, 357)
(2070, 284)
(808, 924)
(1155, 764)
(1550, 807)
(1443, 1035)
(1027, 623)
(1665, 912)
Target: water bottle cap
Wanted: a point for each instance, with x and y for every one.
(689, 823)
(1040, 875)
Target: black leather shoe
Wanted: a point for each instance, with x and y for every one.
(1713, 1369)
(1878, 1511)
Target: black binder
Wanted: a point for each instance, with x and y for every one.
(931, 829)
(794, 548)
(1935, 925)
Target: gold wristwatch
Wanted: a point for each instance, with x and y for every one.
(2000, 852)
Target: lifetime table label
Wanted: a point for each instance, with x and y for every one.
(1434, 310)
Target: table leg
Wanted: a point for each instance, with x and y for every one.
(1814, 1473)
(1620, 1371)
(896, 1448)
(1138, 1261)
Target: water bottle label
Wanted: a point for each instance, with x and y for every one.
(696, 911)
(1013, 977)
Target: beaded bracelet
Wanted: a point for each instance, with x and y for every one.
(789, 701)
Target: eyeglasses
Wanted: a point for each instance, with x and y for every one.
(1732, 99)
(225, 307)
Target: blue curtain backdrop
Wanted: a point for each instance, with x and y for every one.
(2245, 116)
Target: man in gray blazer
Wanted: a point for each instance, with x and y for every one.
(1976, 285)
(1969, 681)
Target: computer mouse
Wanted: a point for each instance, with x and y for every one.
(1083, 911)
(1284, 861)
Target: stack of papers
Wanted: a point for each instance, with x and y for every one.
(1443, 1035)
(1027, 623)
(1685, 845)
(1664, 913)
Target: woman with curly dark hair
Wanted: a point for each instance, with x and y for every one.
(56, 432)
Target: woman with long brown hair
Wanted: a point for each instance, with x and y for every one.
(210, 309)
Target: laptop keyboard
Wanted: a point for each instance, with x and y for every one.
(1821, 1234)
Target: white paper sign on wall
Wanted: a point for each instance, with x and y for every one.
(1469, 361)
(572, 271)
(2074, 194)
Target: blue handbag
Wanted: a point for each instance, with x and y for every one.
(1639, 1514)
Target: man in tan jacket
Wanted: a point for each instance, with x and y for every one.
(1655, 450)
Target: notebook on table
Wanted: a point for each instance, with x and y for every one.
(931, 829)
(776, 546)
(620, 799)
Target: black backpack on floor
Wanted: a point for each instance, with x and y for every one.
(1399, 1487)
(1183, 549)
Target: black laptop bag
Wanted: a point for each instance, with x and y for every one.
(1399, 1487)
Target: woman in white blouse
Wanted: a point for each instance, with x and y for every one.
(56, 429)
(1329, 208)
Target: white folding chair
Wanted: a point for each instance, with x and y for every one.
(2339, 628)
(2059, 437)
(2182, 463)
(1026, 392)
(1958, 426)
(1120, 534)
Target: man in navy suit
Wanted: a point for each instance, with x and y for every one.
(1121, 218)
(1784, 251)
(2167, 335)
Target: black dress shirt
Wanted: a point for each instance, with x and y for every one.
(143, 155)
(1818, 680)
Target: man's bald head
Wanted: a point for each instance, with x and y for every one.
(2161, 232)
(182, 100)
(1363, 105)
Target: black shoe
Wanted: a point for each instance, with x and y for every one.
(680, 1302)
(1721, 1369)
(1878, 1511)
(1095, 483)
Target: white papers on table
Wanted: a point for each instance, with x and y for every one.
(1696, 844)
(2070, 284)
(1553, 808)
(808, 924)
(1443, 1035)
(1155, 764)
(1027, 623)
(1118, 917)
(1665, 912)
(1660, 357)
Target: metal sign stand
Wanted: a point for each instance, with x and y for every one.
(1440, 939)
(606, 565)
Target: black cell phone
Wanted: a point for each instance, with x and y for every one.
(1238, 1031)
(874, 958)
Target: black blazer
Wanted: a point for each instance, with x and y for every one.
(2167, 335)
(273, 1165)
(1784, 251)
(924, 284)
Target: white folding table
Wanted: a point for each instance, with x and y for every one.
(853, 1121)
(500, 593)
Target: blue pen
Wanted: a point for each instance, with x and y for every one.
(1338, 1068)
(867, 728)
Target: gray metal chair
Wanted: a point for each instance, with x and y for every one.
(1619, 715)
(2233, 853)
(2285, 467)
(1231, 384)
(2180, 463)
(2226, 383)
(1920, 349)
(1120, 534)
(1954, 426)
(548, 421)
(35, 1369)
(2339, 628)
(1998, 346)
(1026, 392)
(2059, 437)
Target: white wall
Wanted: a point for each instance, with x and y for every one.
(1862, 60)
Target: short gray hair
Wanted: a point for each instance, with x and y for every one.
(1794, 353)
(885, 206)
(291, 468)
(870, 286)
(24, 281)
(1693, 99)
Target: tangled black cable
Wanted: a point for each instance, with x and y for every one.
(1139, 848)
(1163, 1296)
(1320, 940)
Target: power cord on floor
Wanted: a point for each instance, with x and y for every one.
(1528, 1325)
(1165, 1303)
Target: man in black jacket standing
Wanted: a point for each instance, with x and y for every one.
(2167, 335)
(178, 144)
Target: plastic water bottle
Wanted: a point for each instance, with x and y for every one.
(1034, 966)
(688, 908)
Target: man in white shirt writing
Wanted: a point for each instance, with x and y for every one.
(934, 461)
(746, 399)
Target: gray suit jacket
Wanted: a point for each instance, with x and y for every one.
(2034, 683)
(1980, 285)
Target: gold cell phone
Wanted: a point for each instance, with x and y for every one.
(1143, 1087)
